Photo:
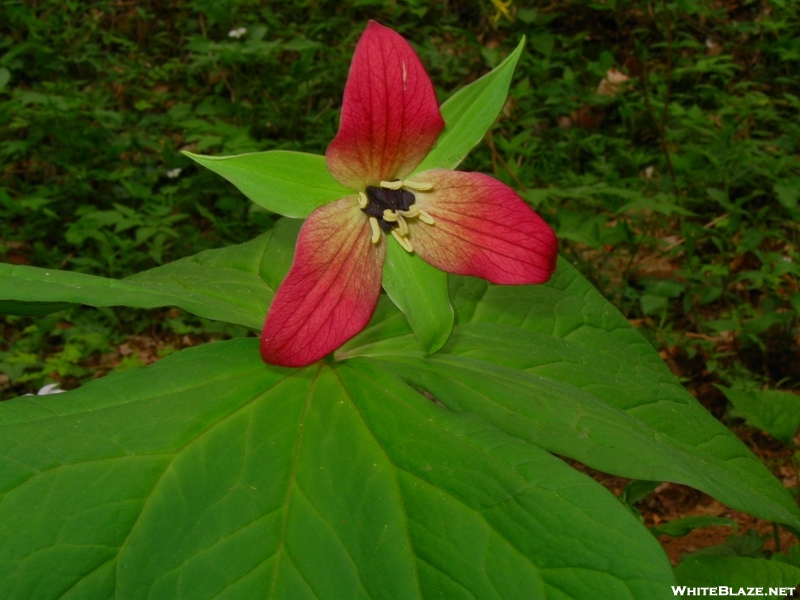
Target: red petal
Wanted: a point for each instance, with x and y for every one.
(482, 228)
(331, 290)
(390, 119)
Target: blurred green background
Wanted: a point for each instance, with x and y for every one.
(659, 139)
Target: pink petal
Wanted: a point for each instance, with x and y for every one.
(390, 119)
(482, 228)
(331, 290)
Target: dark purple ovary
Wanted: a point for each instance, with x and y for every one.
(381, 198)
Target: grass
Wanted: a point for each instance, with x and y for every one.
(676, 191)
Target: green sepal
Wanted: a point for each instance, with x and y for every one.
(292, 184)
(469, 113)
(421, 292)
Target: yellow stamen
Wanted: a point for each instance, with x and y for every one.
(376, 230)
(392, 185)
(425, 217)
(389, 216)
(362, 200)
(412, 212)
(403, 241)
(401, 222)
(417, 186)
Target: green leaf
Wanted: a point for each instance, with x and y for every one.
(469, 113)
(681, 527)
(777, 413)
(621, 368)
(788, 192)
(558, 366)
(737, 572)
(749, 545)
(211, 475)
(31, 309)
(637, 490)
(571, 420)
(420, 291)
(292, 184)
(792, 557)
(233, 284)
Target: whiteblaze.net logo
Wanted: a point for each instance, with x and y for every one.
(723, 590)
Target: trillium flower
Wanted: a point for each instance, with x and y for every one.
(463, 223)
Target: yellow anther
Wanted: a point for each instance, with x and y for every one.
(403, 241)
(376, 230)
(425, 217)
(401, 222)
(389, 216)
(362, 200)
(417, 186)
(392, 185)
(412, 212)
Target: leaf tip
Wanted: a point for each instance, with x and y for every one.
(198, 158)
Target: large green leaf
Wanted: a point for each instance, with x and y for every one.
(420, 291)
(233, 284)
(292, 184)
(211, 475)
(469, 113)
(560, 367)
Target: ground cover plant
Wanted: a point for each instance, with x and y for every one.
(448, 451)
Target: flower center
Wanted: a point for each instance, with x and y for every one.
(388, 207)
(387, 202)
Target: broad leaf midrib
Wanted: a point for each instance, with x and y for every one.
(395, 482)
(290, 487)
